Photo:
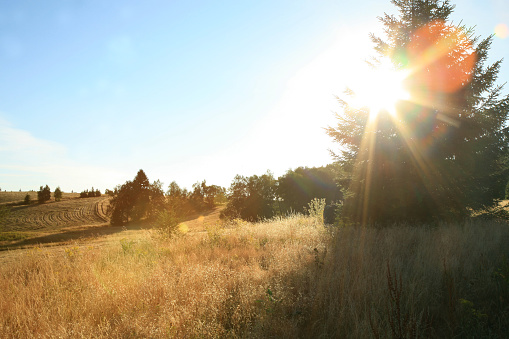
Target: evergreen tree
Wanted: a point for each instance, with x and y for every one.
(57, 194)
(44, 194)
(27, 200)
(136, 199)
(442, 151)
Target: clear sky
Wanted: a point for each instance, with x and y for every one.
(92, 91)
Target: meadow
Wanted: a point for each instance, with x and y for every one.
(284, 278)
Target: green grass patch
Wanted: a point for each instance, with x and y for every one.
(12, 236)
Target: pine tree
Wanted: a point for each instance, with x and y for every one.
(442, 152)
(57, 194)
(136, 199)
(44, 194)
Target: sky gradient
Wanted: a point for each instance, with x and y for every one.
(92, 91)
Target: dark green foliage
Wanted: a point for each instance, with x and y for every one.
(44, 194)
(91, 193)
(329, 214)
(507, 191)
(442, 153)
(27, 200)
(136, 199)
(178, 200)
(251, 198)
(298, 187)
(202, 198)
(57, 194)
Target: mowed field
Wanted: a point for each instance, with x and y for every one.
(52, 221)
(56, 215)
(73, 220)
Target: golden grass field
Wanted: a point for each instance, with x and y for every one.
(283, 278)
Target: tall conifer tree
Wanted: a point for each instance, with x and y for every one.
(440, 153)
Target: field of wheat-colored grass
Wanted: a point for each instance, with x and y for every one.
(285, 278)
(18, 196)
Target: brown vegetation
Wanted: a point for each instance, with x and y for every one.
(285, 278)
(18, 197)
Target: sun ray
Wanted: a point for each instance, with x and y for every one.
(379, 89)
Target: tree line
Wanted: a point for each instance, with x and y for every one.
(44, 194)
(250, 198)
(139, 199)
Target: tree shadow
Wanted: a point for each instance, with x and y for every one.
(71, 235)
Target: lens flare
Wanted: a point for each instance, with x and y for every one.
(442, 57)
(502, 31)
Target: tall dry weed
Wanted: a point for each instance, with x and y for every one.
(285, 278)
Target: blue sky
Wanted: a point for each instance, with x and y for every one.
(92, 91)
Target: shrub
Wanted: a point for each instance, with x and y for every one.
(58, 194)
(316, 208)
(167, 223)
(91, 193)
(27, 200)
(44, 194)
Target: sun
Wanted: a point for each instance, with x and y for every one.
(379, 89)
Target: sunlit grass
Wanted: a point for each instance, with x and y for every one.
(285, 278)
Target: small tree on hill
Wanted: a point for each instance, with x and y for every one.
(44, 194)
(441, 152)
(57, 194)
(136, 199)
(27, 200)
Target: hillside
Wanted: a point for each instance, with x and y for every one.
(56, 215)
(18, 196)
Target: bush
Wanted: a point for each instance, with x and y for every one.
(316, 208)
(44, 194)
(167, 223)
(58, 194)
(27, 200)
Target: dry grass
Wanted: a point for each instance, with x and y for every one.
(286, 278)
(212, 284)
(13, 196)
(408, 282)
